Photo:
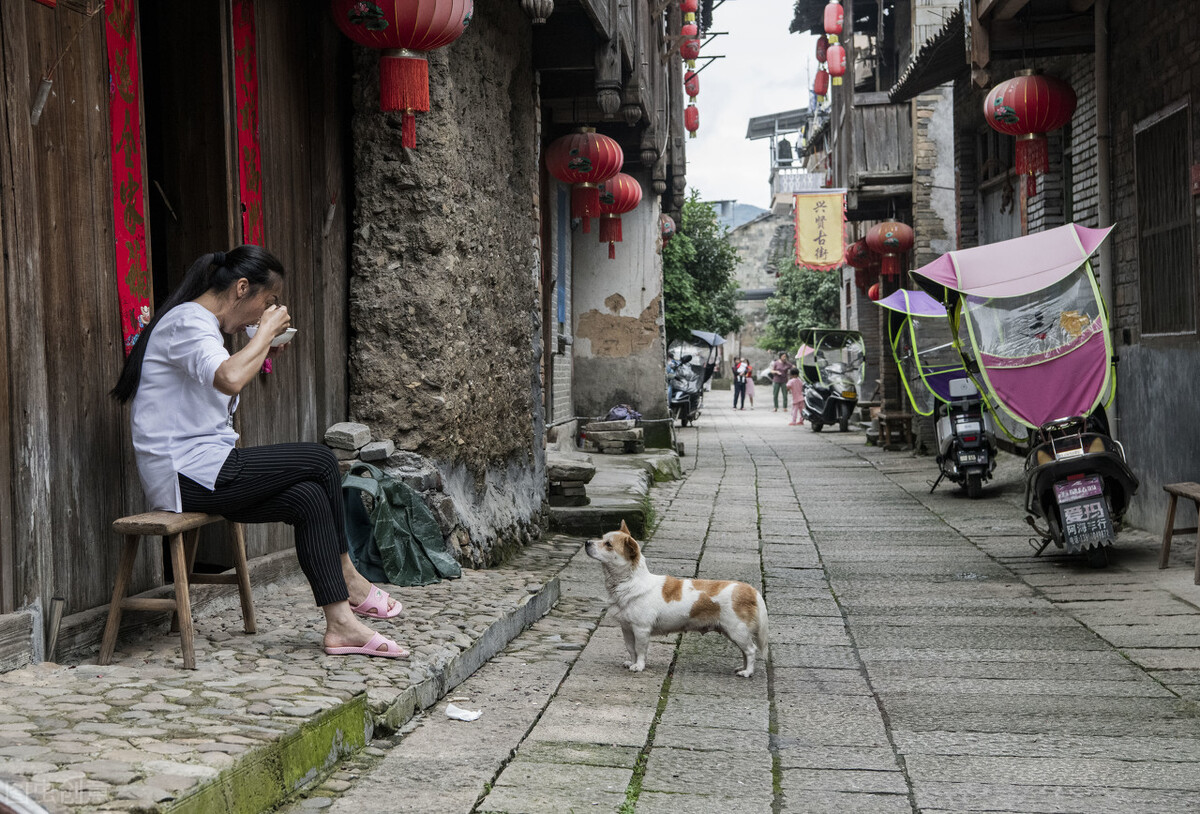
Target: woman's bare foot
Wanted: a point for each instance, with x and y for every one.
(358, 585)
(342, 628)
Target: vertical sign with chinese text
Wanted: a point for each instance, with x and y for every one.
(125, 153)
(820, 227)
(246, 102)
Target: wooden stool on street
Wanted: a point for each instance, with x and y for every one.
(182, 531)
(1190, 491)
(898, 423)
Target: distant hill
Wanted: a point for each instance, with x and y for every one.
(732, 214)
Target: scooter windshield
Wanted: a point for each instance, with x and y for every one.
(923, 347)
(1045, 354)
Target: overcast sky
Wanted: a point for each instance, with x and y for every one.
(765, 70)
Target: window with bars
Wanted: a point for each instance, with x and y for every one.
(1166, 264)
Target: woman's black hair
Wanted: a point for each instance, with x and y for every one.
(211, 272)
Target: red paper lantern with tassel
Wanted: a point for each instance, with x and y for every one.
(1028, 106)
(822, 47)
(618, 195)
(406, 29)
(821, 84)
(691, 120)
(858, 255)
(892, 240)
(833, 20)
(689, 9)
(689, 49)
(691, 84)
(837, 62)
(584, 160)
(873, 292)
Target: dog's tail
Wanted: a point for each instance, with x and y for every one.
(761, 638)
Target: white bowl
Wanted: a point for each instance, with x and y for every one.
(282, 339)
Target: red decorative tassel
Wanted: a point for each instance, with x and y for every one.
(612, 251)
(585, 203)
(403, 81)
(408, 129)
(610, 229)
(891, 266)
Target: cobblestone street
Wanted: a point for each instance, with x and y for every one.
(921, 660)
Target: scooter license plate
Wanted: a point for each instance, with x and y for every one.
(1067, 491)
(967, 458)
(1086, 522)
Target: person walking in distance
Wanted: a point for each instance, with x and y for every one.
(796, 387)
(749, 382)
(779, 376)
(185, 386)
(740, 369)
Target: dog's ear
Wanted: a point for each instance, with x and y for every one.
(624, 528)
(633, 551)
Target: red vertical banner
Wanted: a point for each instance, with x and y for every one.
(246, 101)
(125, 152)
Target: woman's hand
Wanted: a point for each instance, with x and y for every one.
(275, 320)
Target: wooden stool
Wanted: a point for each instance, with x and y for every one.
(182, 531)
(1191, 491)
(898, 423)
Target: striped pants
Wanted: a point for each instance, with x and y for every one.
(297, 484)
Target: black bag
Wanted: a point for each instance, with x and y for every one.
(398, 541)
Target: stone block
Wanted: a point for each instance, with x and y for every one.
(348, 435)
(344, 454)
(442, 506)
(610, 426)
(563, 489)
(562, 468)
(377, 450)
(616, 435)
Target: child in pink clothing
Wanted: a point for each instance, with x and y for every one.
(796, 388)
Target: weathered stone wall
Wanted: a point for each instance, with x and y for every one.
(934, 215)
(443, 306)
(619, 354)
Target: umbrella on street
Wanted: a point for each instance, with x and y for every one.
(715, 340)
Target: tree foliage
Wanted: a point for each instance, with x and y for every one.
(699, 289)
(803, 299)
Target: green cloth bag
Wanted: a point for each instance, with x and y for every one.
(398, 541)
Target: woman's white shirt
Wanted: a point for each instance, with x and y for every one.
(181, 423)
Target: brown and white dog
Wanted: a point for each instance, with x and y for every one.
(651, 604)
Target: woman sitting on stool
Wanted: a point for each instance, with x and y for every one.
(184, 385)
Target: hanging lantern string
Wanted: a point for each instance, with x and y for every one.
(43, 92)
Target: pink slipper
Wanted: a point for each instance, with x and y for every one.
(371, 648)
(375, 605)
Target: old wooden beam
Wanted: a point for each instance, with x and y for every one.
(1007, 9)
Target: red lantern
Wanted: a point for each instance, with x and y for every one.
(858, 255)
(689, 9)
(837, 62)
(892, 240)
(821, 84)
(406, 29)
(691, 84)
(691, 120)
(583, 160)
(833, 20)
(618, 195)
(666, 227)
(1028, 106)
(822, 47)
(865, 276)
(689, 49)
(873, 292)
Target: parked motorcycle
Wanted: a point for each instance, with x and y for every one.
(1038, 331)
(937, 383)
(831, 366)
(691, 366)
(685, 396)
